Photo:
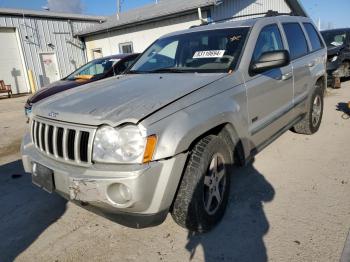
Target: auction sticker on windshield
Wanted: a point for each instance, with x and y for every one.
(209, 54)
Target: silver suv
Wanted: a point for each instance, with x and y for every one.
(163, 137)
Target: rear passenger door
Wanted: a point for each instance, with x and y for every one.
(302, 63)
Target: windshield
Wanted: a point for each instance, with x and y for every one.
(93, 69)
(334, 38)
(203, 52)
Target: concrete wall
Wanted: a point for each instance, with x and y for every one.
(34, 35)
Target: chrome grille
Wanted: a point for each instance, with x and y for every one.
(64, 142)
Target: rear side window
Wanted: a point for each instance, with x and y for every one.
(269, 40)
(314, 37)
(296, 40)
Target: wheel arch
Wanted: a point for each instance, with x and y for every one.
(322, 81)
(228, 132)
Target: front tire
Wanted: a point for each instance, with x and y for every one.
(203, 193)
(311, 122)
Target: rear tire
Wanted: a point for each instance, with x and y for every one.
(203, 193)
(311, 122)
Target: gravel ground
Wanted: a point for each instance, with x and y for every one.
(291, 204)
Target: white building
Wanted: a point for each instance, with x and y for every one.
(42, 42)
(135, 30)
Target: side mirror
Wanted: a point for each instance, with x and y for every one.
(270, 60)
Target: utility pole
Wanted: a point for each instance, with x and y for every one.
(119, 7)
(319, 23)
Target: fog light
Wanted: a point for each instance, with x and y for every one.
(119, 193)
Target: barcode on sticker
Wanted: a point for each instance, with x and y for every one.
(209, 54)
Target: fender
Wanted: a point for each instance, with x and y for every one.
(178, 131)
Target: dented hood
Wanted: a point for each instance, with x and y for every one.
(117, 100)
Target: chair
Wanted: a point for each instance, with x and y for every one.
(5, 88)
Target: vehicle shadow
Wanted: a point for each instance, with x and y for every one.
(239, 236)
(25, 211)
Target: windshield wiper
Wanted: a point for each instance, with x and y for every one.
(132, 72)
(160, 70)
(170, 70)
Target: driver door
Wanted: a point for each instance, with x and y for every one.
(270, 94)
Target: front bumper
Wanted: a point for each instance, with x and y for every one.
(152, 186)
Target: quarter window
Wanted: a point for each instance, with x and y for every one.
(296, 40)
(314, 37)
(269, 40)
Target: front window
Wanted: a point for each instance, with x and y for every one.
(94, 69)
(213, 51)
(334, 38)
(270, 39)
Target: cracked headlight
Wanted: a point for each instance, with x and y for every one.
(119, 145)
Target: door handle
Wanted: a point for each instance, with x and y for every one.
(312, 64)
(286, 76)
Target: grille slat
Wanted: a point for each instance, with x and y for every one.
(42, 136)
(70, 144)
(50, 140)
(54, 141)
(33, 131)
(37, 128)
(59, 142)
(77, 143)
(63, 143)
(84, 144)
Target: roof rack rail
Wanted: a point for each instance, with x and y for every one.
(271, 13)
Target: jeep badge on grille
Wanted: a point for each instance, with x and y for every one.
(53, 114)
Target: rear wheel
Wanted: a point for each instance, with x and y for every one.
(203, 194)
(311, 122)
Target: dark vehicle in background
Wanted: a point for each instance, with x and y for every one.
(338, 65)
(93, 71)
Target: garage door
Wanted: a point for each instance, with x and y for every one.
(11, 65)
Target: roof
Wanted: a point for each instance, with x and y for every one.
(50, 14)
(163, 9)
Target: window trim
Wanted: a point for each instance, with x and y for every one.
(121, 45)
(318, 35)
(305, 37)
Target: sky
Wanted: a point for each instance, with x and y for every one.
(332, 14)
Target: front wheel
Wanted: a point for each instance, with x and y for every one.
(311, 122)
(203, 193)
